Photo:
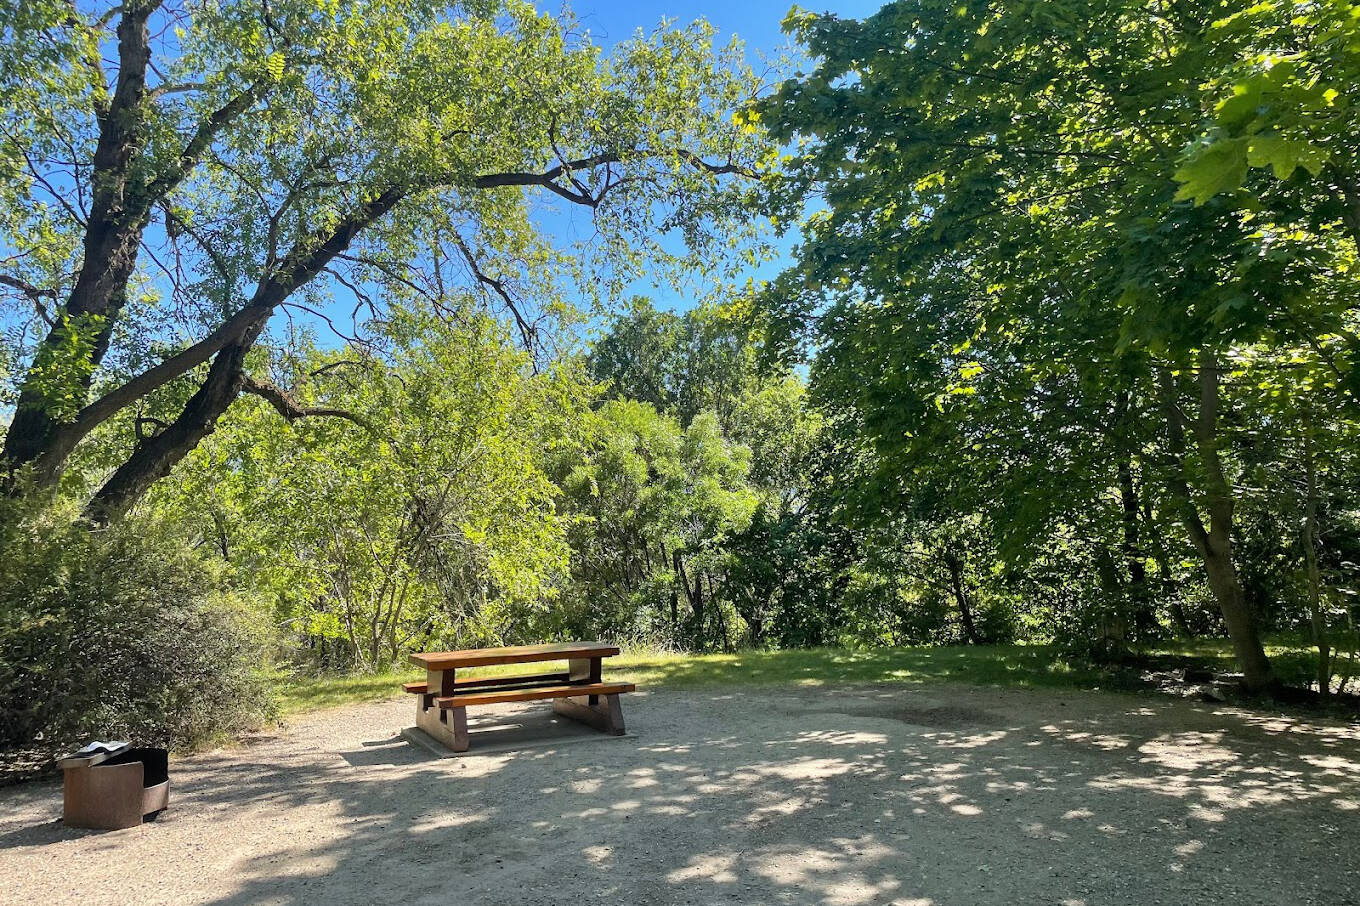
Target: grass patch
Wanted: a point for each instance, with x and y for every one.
(1032, 666)
(312, 693)
(990, 665)
(1291, 654)
(984, 665)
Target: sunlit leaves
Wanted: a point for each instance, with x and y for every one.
(1217, 169)
(1286, 100)
(437, 516)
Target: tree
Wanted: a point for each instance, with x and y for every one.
(655, 504)
(423, 516)
(1002, 228)
(243, 159)
(683, 364)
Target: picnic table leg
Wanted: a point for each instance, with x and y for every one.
(613, 715)
(437, 683)
(585, 670)
(458, 722)
(449, 726)
(606, 716)
(441, 681)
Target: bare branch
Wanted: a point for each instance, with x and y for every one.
(548, 178)
(28, 289)
(331, 366)
(526, 330)
(35, 294)
(177, 88)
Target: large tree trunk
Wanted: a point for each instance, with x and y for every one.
(1214, 542)
(1242, 629)
(40, 434)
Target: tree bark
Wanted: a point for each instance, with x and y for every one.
(40, 436)
(694, 595)
(153, 459)
(960, 589)
(1214, 542)
(1139, 602)
(113, 233)
(1317, 620)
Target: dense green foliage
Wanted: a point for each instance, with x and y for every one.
(121, 633)
(1051, 303)
(424, 514)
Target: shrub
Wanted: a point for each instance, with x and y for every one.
(998, 622)
(118, 632)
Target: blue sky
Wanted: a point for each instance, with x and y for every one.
(756, 22)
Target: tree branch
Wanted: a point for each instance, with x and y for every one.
(526, 330)
(203, 136)
(290, 409)
(35, 295)
(548, 178)
(268, 296)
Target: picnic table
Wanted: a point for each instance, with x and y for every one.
(577, 692)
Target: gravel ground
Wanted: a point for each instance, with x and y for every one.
(936, 795)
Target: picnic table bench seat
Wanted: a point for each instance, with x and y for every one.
(496, 696)
(578, 692)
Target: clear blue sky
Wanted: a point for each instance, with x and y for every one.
(756, 21)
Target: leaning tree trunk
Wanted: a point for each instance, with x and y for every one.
(1214, 541)
(960, 589)
(155, 456)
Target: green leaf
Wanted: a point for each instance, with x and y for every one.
(1218, 168)
(1284, 155)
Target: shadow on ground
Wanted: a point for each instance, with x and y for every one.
(853, 796)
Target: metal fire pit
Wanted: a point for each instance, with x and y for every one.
(113, 790)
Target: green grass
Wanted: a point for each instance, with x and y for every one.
(1292, 655)
(984, 665)
(990, 665)
(299, 694)
(987, 665)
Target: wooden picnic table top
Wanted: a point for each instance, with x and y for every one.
(517, 654)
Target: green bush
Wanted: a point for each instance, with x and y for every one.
(998, 622)
(119, 632)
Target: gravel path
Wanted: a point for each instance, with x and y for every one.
(934, 795)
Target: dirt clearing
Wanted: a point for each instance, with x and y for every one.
(931, 795)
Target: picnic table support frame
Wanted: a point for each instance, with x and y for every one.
(448, 725)
(585, 670)
(606, 716)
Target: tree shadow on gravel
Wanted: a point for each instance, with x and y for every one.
(858, 796)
